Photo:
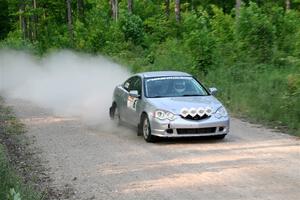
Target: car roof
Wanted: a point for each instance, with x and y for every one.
(162, 74)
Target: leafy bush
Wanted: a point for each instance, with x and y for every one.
(223, 32)
(198, 39)
(132, 27)
(172, 55)
(14, 40)
(255, 34)
(13, 195)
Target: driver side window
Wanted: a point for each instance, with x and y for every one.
(129, 84)
(137, 85)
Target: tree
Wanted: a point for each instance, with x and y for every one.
(167, 9)
(34, 20)
(237, 7)
(287, 5)
(80, 9)
(192, 5)
(255, 33)
(4, 19)
(22, 19)
(69, 19)
(114, 9)
(177, 10)
(130, 6)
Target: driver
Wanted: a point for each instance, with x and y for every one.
(179, 86)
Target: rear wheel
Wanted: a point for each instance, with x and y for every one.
(146, 130)
(116, 115)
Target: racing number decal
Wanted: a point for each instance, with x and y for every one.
(131, 102)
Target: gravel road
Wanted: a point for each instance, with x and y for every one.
(104, 162)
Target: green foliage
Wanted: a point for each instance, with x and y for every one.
(261, 94)
(198, 39)
(223, 32)
(14, 40)
(172, 55)
(4, 16)
(158, 29)
(13, 195)
(115, 40)
(255, 33)
(11, 185)
(132, 27)
(146, 8)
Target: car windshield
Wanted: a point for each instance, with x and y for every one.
(173, 86)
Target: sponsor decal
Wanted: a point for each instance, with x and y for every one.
(169, 78)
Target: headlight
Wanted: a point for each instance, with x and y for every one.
(162, 115)
(221, 112)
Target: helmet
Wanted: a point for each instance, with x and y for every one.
(179, 86)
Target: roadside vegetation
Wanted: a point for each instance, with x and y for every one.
(249, 50)
(12, 184)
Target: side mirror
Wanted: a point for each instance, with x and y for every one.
(134, 93)
(213, 91)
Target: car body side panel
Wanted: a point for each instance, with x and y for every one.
(120, 96)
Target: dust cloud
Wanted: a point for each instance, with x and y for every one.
(68, 83)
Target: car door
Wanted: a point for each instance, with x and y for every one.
(127, 101)
(133, 103)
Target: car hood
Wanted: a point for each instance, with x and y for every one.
(175, 104)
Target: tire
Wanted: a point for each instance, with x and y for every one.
(115, 115)
(146, 130)
(140, 129)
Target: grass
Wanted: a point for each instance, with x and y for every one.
(263, 94)
(12, 185)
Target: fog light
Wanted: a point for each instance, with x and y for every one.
(221, 129)
(170, 131)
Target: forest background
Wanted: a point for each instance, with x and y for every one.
(249, 50)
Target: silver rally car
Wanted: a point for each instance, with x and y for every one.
(169, 104)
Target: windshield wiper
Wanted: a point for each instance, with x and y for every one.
(157, 96)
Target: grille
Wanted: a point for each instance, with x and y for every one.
(197, 117)
(196, 130)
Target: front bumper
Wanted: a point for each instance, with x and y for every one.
(181, 127)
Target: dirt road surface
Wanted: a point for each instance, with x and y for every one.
(102, 162)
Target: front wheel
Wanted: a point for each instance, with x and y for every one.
(146, 130)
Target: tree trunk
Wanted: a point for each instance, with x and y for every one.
(114, 9)
(238, 8)
(192, 5)
(287, 5)
(29, 28)
(167, 4)
(69, 19)
(80, 9)
(177, 10)
(130, 6)
(34, 21)
(23, 24)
